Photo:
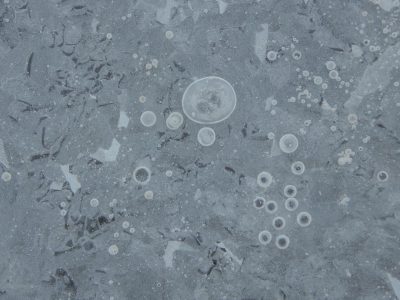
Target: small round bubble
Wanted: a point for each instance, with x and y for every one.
(290, 191)
(288, 143)
(282, 241)
(298, 168)
(206, 136)
(148, 118)
(259, 202)
(265, 237)
(291, 204)
(304, 219)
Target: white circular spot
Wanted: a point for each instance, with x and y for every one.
(288, 143)
(291, 204)
(113, 250)
(333, 74)
(304, 219)
(265, 237)
(142, 99)
(206, 136)
(94, 202)
(148, 195)
(209, 100)
(290, 191)
(272, 55)
(169, 34)
(352, 118)
(317, 80)
(125, 224)
(63, 212)
(264, 179)
(6, 176)
(174, 120)
(168, 173)
(296, 54)
(132, 230)
(298, 168)
(109, 36)
(330, 65)
(282, 241)
(148, 118)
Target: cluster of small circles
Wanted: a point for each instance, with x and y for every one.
(282, 241)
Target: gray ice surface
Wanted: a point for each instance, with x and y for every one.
(76, 75)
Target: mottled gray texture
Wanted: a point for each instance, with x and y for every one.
(76, 75)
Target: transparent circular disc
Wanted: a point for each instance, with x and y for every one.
(209, 100)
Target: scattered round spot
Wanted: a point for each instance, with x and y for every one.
(148, 195)
(304, 219)
(290, 191)
(264, 179)
(109, 36)
(94, 202)
(278, 223)
(206, 136)
(333, 74)
(148, 66)
(382, 176)
(113, 250)
(265, 237)
(209, 100)
(125, 224)
(330, 65)
(291, 204)
(142, 175)
(352, 118)
(132, 230)
(174, 120)
(259, 202)
(169, 34)
(317, 80)
(168, 173)
(298, 168)
(271, 206)
(63, 212)
(272, 55)
(296, 54)
(6, 176)
(282, 241)
(288, 143)
(148, 118)
(142, 99)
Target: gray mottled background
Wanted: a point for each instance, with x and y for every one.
(76, 76)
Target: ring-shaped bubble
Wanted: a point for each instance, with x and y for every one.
(209, 100)
(288, 143)
(206, 136)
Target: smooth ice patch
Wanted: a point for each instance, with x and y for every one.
(107, 155)
(169, 251)
(387, 5)
(222, 5)
(123, 120)
(71, 178)
(260, 43)
(395, 285)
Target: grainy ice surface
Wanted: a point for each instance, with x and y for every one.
(274, 177)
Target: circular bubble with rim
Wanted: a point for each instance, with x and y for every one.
(264, 179)
(291, 204)
(271, 206)
(148, 118)
(206, 136)
(282, 241)
(298, 168)
(303, 219)
(142, 175)
(209, 100)
(290, 191)
(288, 143)
(174, 120)
(265, 237)
(382, 176)
(259, 202)
(279, 223)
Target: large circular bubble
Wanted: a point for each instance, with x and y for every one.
(209, 100)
